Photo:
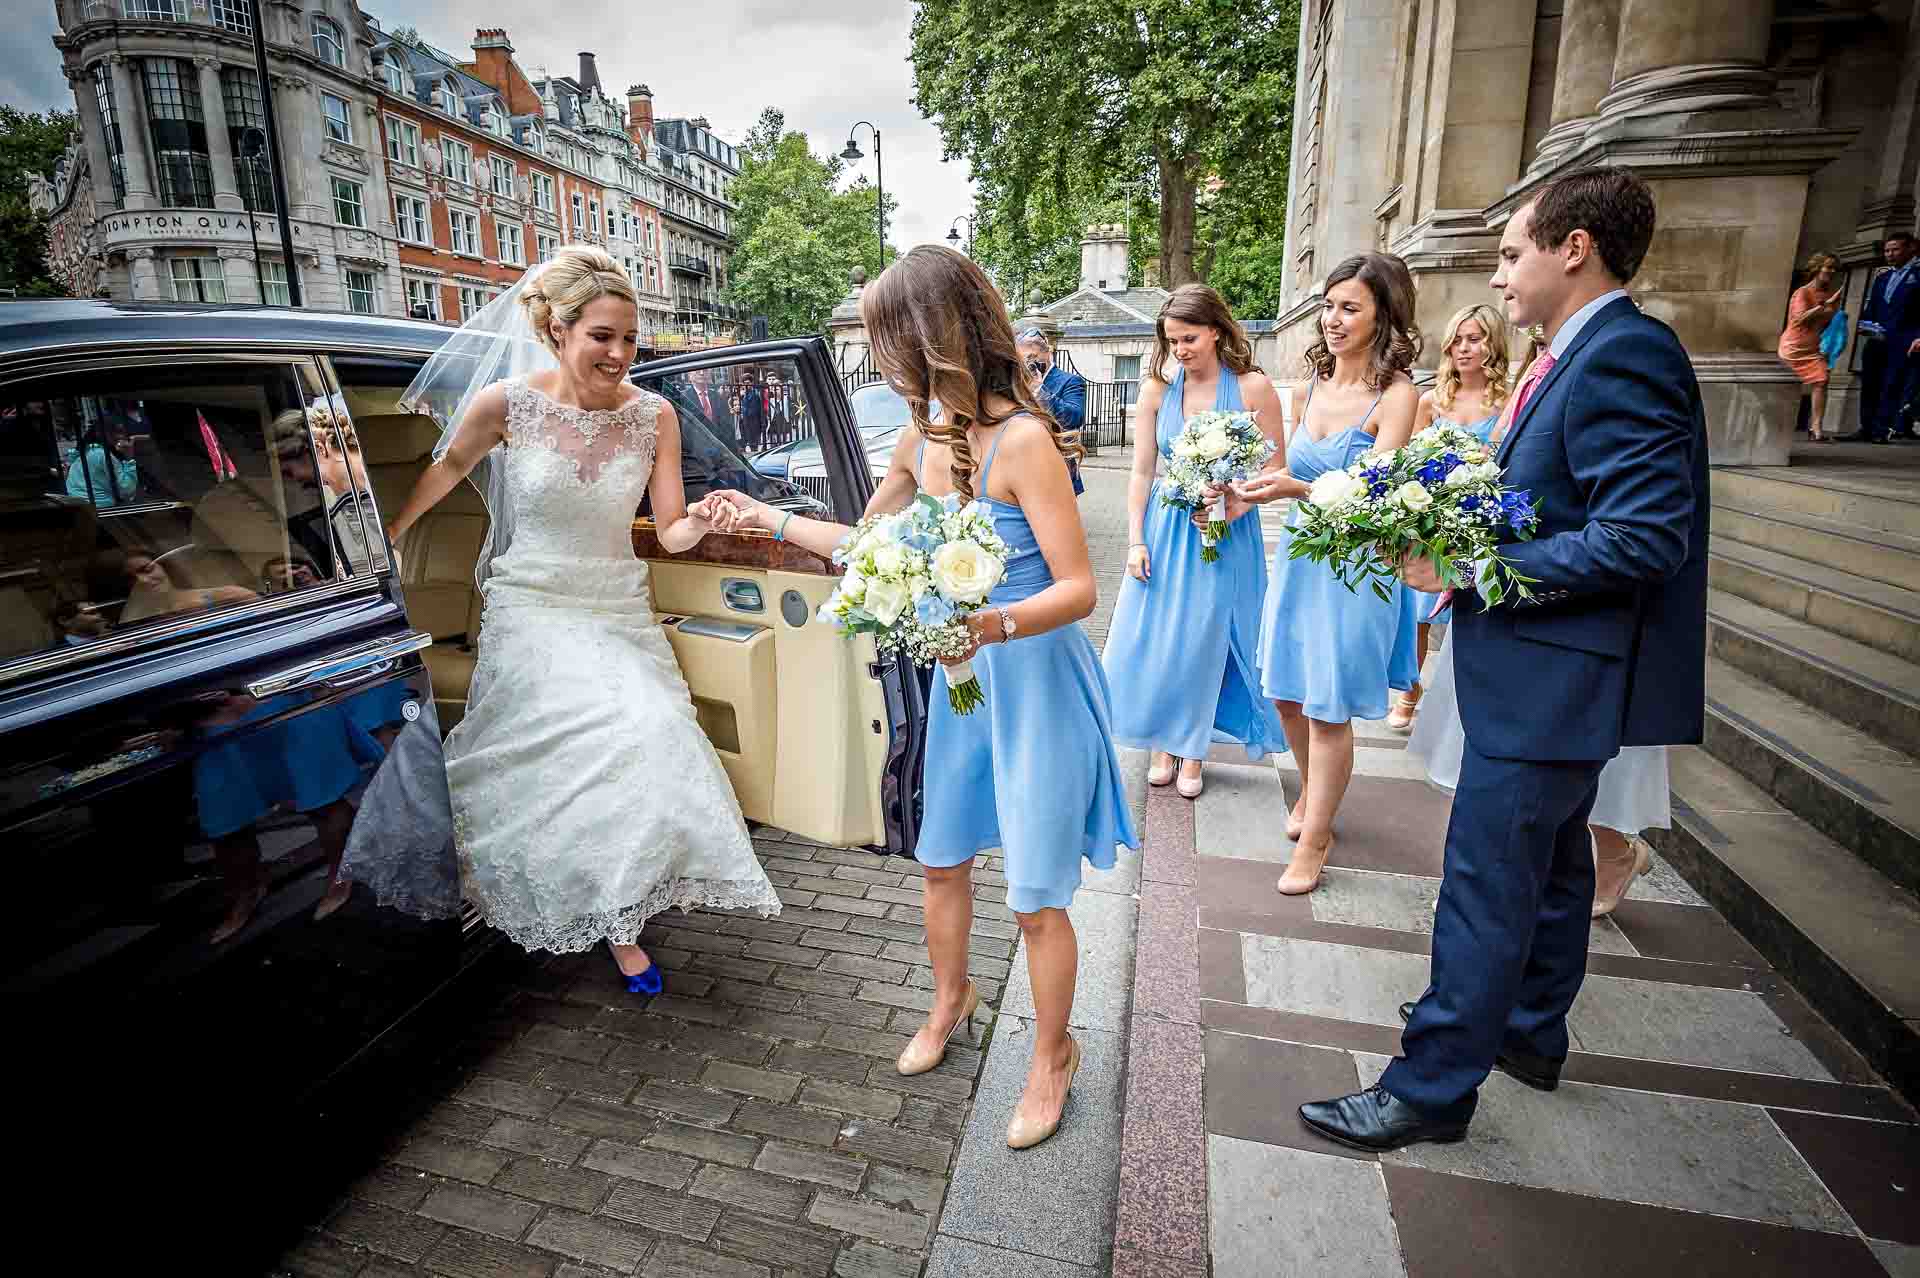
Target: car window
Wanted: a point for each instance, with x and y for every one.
(878, 406)
(730, 418)
(138, 495)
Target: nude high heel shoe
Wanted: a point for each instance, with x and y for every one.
(1190, 788)
(912, 1062)
(1025, 1133)
(1613, 878)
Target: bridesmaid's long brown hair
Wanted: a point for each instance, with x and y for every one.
(940, 332)
(1199, 304)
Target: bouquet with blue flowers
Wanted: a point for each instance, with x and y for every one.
(1440, 496)
(1213, 448)
(911, 579)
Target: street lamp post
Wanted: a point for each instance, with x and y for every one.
(953, 233)
(251, 141)
(853, 152)
(274, 159)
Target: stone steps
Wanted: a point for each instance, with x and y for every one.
(1862, 687)
(1832, 924)
(1843, 603)
(1891, 558)
(1853, 788)
(1864, 498)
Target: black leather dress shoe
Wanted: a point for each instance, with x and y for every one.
(1538, 1072)
(1378, 1120)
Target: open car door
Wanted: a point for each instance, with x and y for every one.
(819, 736)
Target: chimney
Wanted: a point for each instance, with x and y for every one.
(1103, 257)
(640, 116)
(493, 63)
(700, 122)
(589, 73)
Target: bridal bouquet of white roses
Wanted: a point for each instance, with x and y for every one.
(1213, 448)
(911, 579)
(1440, 496)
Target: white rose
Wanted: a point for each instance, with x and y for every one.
(890, 560)
(965, 573)
(853, 587)
(1334, 488)
(1458, 477)
(1185, 446)
(1212, 445)
(886, 600)
(1413, 495)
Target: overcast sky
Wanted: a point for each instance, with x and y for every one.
(826, 65)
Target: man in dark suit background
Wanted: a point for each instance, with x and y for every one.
(1890, 329)
(1609, 437)
(753, 415)
(1063, 393)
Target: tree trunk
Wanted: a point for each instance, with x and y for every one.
(1177, 216)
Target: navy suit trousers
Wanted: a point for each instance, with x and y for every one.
(1510, 934)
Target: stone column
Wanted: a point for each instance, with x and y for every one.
(845, 328)
(93, 130)
(144, 277)
(213, 108)
(297, 113)
(1690, 55)
(1890, 205)
(1589, 43)
(135, 137)
(237, 266)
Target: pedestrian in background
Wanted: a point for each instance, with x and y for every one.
(1803, 347)
(1890, 325)
(1063, 393)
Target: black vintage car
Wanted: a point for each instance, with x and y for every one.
(209, 655)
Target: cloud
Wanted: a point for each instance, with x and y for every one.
(825, 66)
(30, 74)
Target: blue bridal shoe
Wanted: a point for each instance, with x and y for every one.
(648, 982)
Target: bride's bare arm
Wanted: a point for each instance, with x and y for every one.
(679, 528)
(484, 426)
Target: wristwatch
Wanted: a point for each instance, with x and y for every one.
(1006, 624)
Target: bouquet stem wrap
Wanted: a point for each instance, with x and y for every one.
(963, 689)
(1215, 531)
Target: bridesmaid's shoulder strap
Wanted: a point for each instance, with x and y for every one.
(1287, 423)
(986, 467)
(920, 463)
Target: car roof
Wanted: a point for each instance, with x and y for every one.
(34, 327)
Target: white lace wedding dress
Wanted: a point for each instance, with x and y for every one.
(585, 796)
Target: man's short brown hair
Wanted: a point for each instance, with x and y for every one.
(1613, 205)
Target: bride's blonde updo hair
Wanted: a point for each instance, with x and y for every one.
(577, 276)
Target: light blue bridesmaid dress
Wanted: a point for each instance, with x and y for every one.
(1335, 651)
(1032, 772)
(1422, 601)
(1180, 650)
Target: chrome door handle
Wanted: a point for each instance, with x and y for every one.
(362, 662)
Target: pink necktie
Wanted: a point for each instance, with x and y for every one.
(1535, 375)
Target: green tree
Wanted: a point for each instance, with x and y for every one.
(1053, 105)
(800, 237)
(30, 142)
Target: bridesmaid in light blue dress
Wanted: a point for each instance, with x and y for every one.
(1033, 771)
(1180, 649)
(1328, 654)
(1470, 391)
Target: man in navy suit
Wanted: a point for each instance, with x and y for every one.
(1890, 329)
(1610, 439)
(1064, 393)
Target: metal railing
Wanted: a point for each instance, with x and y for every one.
(690, 265)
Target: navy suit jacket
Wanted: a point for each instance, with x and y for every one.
(1066, 397)
(1898, 313)
(1611, 650)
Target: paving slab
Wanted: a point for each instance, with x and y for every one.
(1287, 1211)
(1056, 1200)
(1104, 924)
(1319, 978)
(1405, 903)
(1241, 814)
(959, 1258)
(1691, 1024)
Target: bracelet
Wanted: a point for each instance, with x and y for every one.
(1132, 544)
(780, 533)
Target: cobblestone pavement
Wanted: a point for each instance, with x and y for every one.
(747, 1123)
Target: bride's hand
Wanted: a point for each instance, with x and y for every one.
(717, 514)
(747, 513)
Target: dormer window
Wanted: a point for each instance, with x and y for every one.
(493, 120)
(327, 44)
(393, 73)
(447, 98)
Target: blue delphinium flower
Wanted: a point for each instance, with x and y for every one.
(932, 610)
(1470, 502)
(950, 503)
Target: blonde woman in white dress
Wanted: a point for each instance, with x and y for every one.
(585, 796)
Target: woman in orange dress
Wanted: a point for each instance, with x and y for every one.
(1808, 313)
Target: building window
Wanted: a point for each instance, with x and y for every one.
(347, 207)
(459, 157)
(197, 279)
(471, 300)
(338, 120)
(613, 225)
(410, 215)
(543, 192)
(546, 244)
(273, 284)
(447, 97)
(502, 175)
(1126, 371)
(393, 72)
(232, 15)
(579, 214)
(465, 228)
(246, 131)
(179, 133)
(154, 10)
(403, 141)
(327, 44)
(110, 125)
(507, 234)
(494, 120)
(360, 293)
(423, 299)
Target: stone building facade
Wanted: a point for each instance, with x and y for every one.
(1767, 128)
(700, 170)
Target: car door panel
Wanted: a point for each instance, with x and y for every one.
(845, 729)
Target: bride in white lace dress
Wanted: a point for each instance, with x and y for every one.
(585, 796)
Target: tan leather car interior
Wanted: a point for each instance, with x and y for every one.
(790, 707)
